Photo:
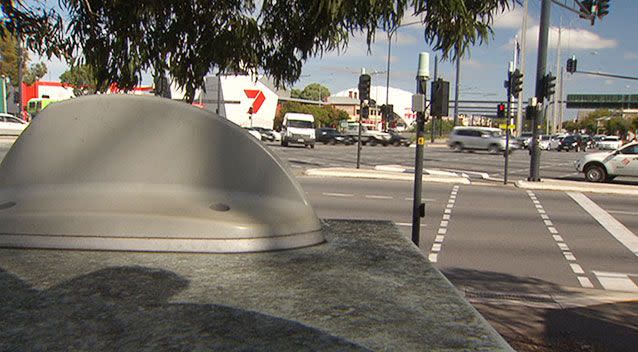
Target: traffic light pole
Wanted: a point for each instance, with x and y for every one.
(543, 32)
(359, 136)
(418, 208)
(508, 118)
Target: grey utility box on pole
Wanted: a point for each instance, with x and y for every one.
(116, 172)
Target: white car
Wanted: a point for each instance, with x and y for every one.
(11, 125)
(609, 143)
(604, 166)
(253, 133)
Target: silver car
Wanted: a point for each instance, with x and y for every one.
(479, 138)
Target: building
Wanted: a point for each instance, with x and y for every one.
(348, 101)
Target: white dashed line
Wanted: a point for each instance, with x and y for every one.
(407, 224)
(585, 282)
(569, 256)
(378, 197)
(577, 269)
(338, 195)
(438, 241)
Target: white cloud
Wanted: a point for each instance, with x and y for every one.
(510, 19)
(571, 38)
(631, 56)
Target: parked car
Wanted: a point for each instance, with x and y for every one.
(604, 166)
(524, 139)
(609, 143)
(368, 134)
(266, 134)
(570, 143)
(479, 138)
(11, 125)
(253, 132)
(554, 142)
(397, 140)
(544, 142)
(298, 128)
(329, 135)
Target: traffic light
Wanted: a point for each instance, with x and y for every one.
(515, 84)
(365, 112)
(572, 64)
(549, 85)
(440, 97)
(500, 111)
(364, 87)
(603, 9)
(588, 10)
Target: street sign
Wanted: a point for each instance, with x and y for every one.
(504, 126)
(343, 123)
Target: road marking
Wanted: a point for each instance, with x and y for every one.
(438, 241)
(621, 212)
(569, 256)
(585, 282)
(378, 197)
(577, 269)
(338, 195)
(613, 226)
(408, 224)
(616, 281)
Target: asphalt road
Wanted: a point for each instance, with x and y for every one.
(497, 230)
(553, 164)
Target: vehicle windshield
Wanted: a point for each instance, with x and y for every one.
(496, 133)
(612, 138)
(300, 124)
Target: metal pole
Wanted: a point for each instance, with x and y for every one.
(359, 136)
(20, 73)
(417, 207)
(387, 81)
(436, 72)
(543, 34)
(508, 121)
(557, 97)
(456, 88)
(519, 104)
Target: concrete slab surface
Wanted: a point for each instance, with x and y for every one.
(578, 186)
(366, 288)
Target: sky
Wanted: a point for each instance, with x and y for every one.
(608, 46)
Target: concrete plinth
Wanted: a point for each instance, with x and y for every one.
(366, 288)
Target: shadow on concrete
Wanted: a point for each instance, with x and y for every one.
(526, 313)
(128, 309)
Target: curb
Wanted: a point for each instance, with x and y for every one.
(383, 175)
(575, 186)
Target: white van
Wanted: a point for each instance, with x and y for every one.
(298, 128)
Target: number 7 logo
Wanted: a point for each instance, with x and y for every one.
(258, 96)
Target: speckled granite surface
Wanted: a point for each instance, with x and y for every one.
(366, 288)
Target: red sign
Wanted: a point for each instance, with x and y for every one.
(259, 99)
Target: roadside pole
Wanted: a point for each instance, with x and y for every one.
(508, 119)
(543, 34)
(359, 136)
(418, 105)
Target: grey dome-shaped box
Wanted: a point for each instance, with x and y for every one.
(117, 172)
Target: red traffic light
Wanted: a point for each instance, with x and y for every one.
(501, 107)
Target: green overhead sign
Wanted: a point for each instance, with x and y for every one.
(602, 101)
